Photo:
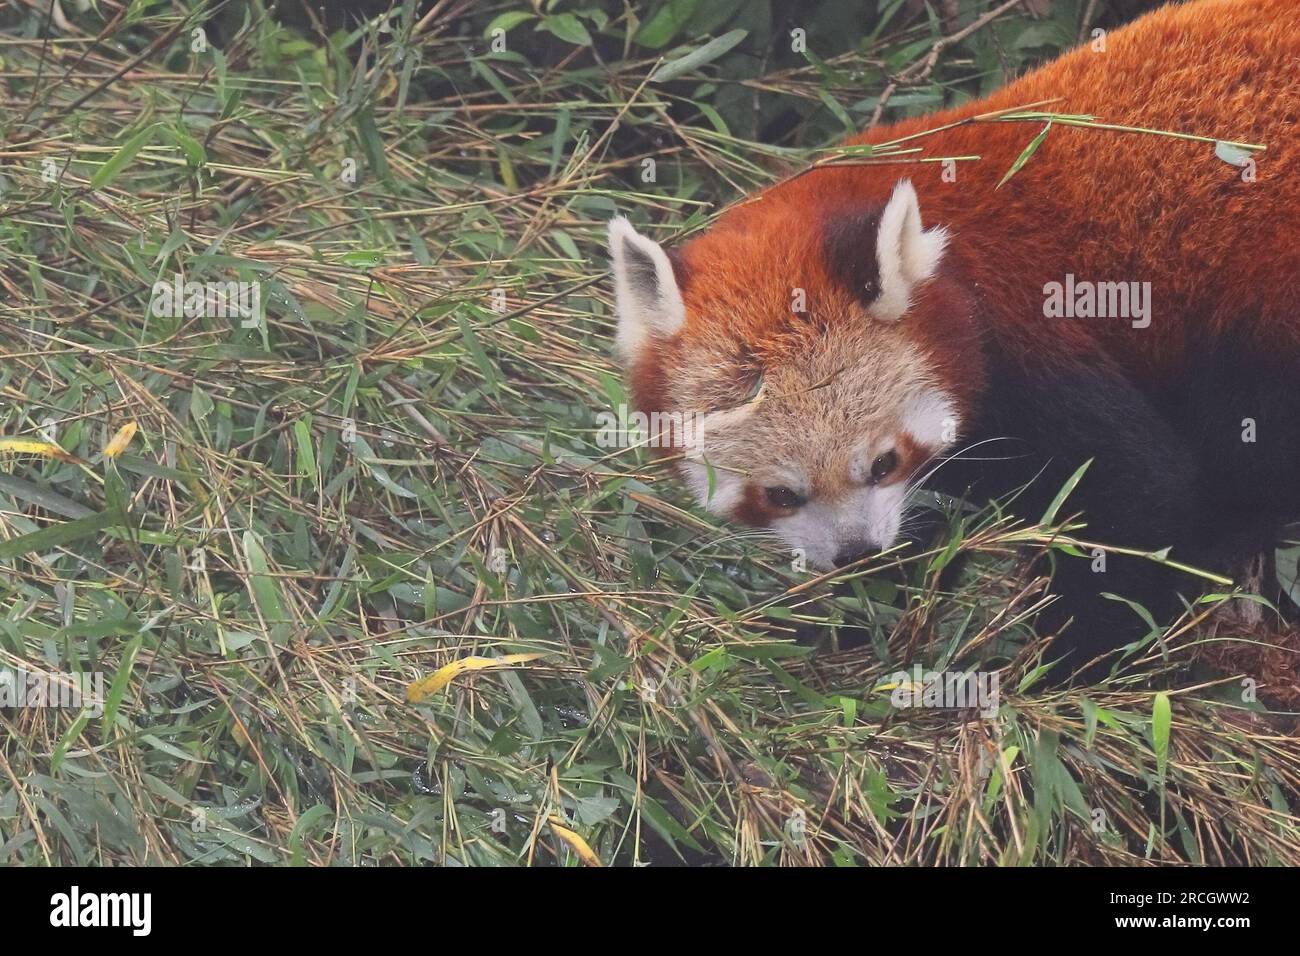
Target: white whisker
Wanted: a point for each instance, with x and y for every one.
(918, 482)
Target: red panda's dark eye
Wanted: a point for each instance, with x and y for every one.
(782, 497)
(883, 466)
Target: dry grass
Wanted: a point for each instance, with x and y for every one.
(349, 470)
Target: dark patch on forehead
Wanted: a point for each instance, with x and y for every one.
(849, 242)
(681, 268)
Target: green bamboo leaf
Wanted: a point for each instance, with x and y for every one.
(117, 690)
(306, 453)
(1049, 516)
(265, 592)
(475, 348)
(1024, 156)
(372, 142)
(304, 825)
(698, 57)
(73, 732)
(196, 156)
(55, 536)
(666, 23)
(365, 454)
(507, 21)
(567, 27)
(47, 499)
(1161, 719)
(119, 160)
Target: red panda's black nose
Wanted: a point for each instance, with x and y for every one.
(851, 554)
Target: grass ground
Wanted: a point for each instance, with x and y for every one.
(398, 470)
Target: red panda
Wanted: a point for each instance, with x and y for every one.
(853, 329)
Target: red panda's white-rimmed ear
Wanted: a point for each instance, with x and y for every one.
(645, 289)
(905, 255)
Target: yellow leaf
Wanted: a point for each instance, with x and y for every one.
(31, 446)
(912, 686)
(444, 675)
(120, 440)
(580, 846)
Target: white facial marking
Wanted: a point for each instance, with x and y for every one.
(931, 419)
(728, 483)
(727, 486)
(864, 520)
(869, 517)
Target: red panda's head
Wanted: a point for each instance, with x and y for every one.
(807, 362)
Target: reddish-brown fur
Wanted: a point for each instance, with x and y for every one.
(1111, 206)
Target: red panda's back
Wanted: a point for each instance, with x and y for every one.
(1221, 249)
